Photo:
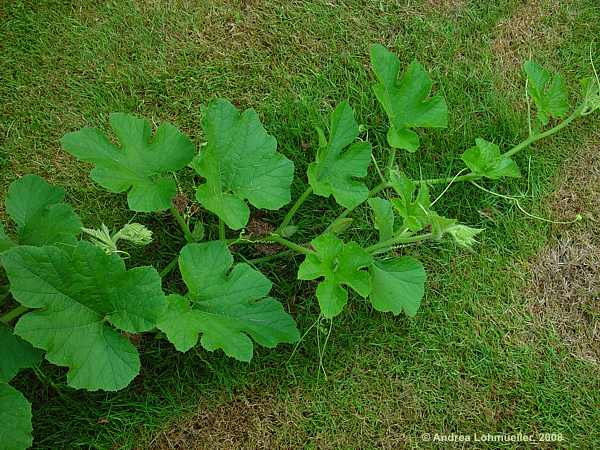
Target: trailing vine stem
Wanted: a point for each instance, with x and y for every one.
(376, 248)
(398, 240)
(289, 244)
(471, 176)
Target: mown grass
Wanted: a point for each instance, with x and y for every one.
(471, 361)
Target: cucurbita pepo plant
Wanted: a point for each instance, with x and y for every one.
(77, 303)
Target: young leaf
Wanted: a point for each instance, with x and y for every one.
(38, 210)
(440, 225)
(340, 264)
(464, 235)
(415, 211)
(340, 160)
(82, 294)
(228, 305)
(15, 419)
(383, 217)
(240, 162)
(15, 354)
(486, 160)
(406, 101)
(398, 285)
(140, 167)
(340, 225)
(590, 88)
(548, 92)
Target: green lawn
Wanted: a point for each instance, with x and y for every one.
(474, 360)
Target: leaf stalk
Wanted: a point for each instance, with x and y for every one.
(290, 214)
(382, 246)
(182, 224)
(289, 244)
(13, 314)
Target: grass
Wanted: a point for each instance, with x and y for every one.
(472, 360)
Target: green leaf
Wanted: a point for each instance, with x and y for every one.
(340, 161)
(15, 354)
(590, 88)
(5, 241)
(38, 210)
(240, 162)
(406, 101)
(383, 217)
(15, 419)
(548, 92)
(486, 160)
(398, 285)
(340, 225)
(83, 294)
(464, 235)
(440, 225)
(226, 304)
(198, 231)
(140, 167)
(340, 264)
(416, 212)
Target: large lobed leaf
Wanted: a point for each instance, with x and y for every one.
(15, 410)
(340, 160)
(240, 162)
(486, 160)
(15, 419)
(548, 91)
(406, 101)
(81, 295)
(340, 264)
(226, 304)
(39, 213)
(15, 354)
(398, 285)
(141, 166)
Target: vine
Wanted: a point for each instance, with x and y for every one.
(76, 302)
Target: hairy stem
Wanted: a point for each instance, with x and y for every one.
(390, 163)
(221, 230)
(13, 314)
(169, 267)
(290, 215)
(268, 258)
(182, 224)
(289, 244)
(381, 246)
(536, 137)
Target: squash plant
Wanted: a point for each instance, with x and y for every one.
(77, 304)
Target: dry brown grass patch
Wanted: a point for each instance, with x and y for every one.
(537, 25)
(565, 277)
(445, 5)
(248, 422)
